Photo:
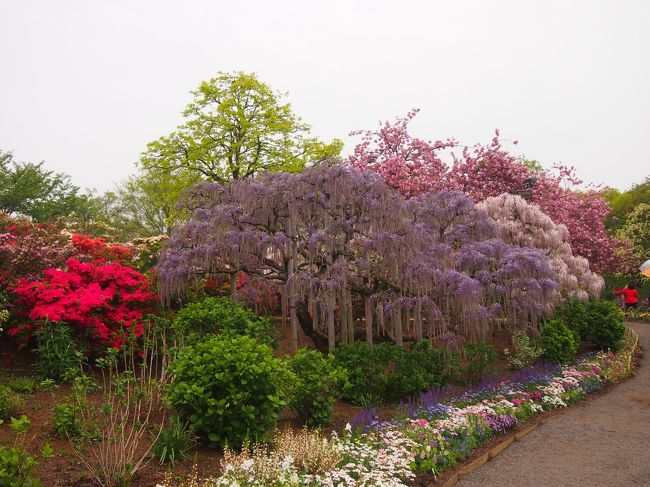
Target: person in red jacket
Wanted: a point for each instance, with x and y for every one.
(630, 296)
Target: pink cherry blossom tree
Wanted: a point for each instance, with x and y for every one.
(413, 166)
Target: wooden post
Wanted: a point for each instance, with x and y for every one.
(331, 330)
(418, 321)
(368, 310)
(397, 326)
(293, 318)
(343, 317)
(350, 319)
(233, 286)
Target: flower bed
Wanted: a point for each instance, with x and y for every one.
(434, 432)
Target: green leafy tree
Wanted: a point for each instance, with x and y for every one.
(236, 127)
(141, 206)
(624, 202)
(637, 230)
(29, 189)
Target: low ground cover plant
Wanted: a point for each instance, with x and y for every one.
(66, 421)
(174, 442)
(16, 468)
(8, 402)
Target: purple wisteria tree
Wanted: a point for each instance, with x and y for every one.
(345, 247)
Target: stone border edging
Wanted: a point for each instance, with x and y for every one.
(494, 451)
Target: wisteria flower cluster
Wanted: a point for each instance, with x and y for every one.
(431, 435)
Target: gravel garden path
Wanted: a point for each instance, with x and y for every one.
(603, 442)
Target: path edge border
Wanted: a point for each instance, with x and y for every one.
(490, 454)
(495, 450)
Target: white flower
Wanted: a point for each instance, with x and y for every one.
(348, 427)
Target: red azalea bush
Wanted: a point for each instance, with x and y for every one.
(100, 300)
(97, 250)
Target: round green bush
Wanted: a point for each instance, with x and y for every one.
(318, 383)
(559, 342)
(223, 316)
(229, 390)
(368, 371)
(605, 321)
(574, 315)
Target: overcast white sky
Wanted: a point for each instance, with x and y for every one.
(84, 85)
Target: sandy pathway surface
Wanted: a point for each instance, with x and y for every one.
(604, 442)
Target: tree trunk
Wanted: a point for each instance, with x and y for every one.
(307, 324)
(331, 326)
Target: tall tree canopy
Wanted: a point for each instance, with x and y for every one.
(340, 240)
(624, 202)
(636, 231)
(413, 166)
(236, 127)
(27, 188)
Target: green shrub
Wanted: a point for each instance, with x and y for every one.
(16, 468)
(8, 402)
(218, 315)
(57, 352)
(386, 372)
(559, 342)
(574, 314)
(524, 351)
(65, 421)
(318, 383)
(174, 442)
(368, 370)
(23, 385)
(228, 389)
(416, 370)
(481, 358)
(606, 328)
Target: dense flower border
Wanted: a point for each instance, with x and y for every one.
(435, 432)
